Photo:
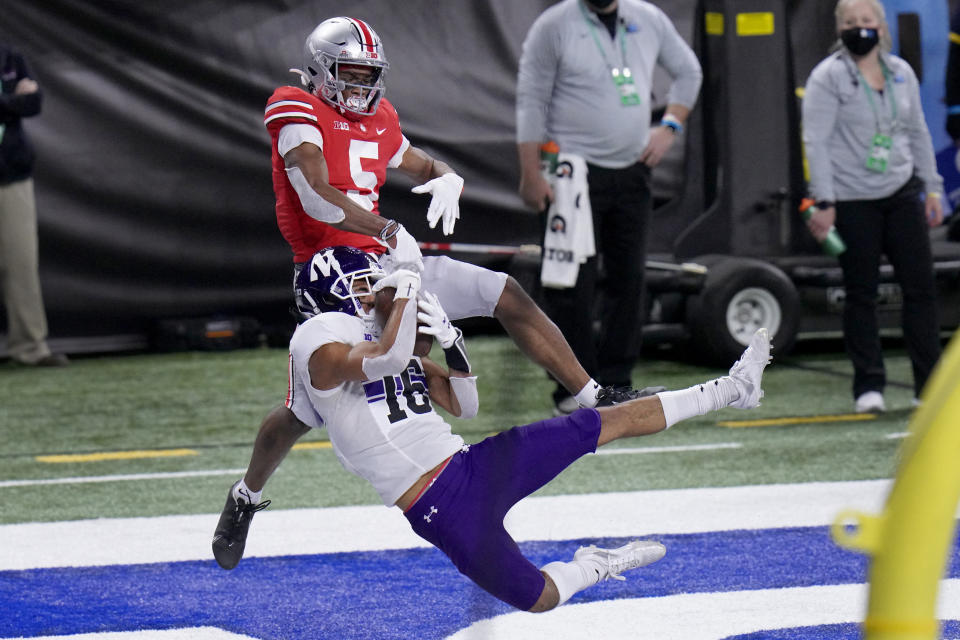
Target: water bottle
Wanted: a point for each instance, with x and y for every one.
(549, 153)
(833, 244)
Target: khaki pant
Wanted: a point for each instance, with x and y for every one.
(19, 273)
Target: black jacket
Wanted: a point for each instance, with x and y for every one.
(16, 152)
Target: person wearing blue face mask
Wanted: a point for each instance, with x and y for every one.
(874, 177)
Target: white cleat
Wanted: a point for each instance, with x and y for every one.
(610, 563)
(748, 370)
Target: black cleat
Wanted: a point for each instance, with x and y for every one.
(611, 395)
(231, 535)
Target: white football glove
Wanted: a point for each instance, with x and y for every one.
(406, 255)
(405, 281)
(435, 320)
(445, 204)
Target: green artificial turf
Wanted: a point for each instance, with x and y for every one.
(212, 404)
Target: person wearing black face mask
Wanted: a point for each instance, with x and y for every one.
(860, 40)
(874, 177)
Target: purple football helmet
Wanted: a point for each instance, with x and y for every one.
(326, 282)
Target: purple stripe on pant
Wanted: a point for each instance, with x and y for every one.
(462, 513)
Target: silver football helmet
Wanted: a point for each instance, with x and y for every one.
(344, 42)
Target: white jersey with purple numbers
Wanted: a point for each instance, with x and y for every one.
(383, 430)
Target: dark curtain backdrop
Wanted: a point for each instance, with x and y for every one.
(153, 174)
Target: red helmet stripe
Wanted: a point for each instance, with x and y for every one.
(366, 38)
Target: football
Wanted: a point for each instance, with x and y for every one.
(423, 344)
(383, 304)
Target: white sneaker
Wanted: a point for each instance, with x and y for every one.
(870, 402)
(748, 370)
(610, 563)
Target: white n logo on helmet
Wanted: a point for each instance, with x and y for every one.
(323, 263)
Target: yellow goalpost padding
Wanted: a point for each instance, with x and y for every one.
(910, 541)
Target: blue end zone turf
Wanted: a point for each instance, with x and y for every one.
(413, 593)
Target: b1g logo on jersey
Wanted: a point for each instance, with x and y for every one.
(340, 125)
(402, 393)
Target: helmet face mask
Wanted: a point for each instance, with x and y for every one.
(337, 47)
(336, 279)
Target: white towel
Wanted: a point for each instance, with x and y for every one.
(568, 239)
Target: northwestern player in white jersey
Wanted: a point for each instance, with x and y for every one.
(353, 370)
(332, 143)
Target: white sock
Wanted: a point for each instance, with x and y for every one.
(242, 492)
(587, 397)
(697, 400)
(570, 577)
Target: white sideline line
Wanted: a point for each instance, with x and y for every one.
(279, 532)
(896, 436)
(687, 447)
(122, 477)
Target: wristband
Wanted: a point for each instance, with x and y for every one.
(672, 123)
(456, 354)
(933, 194)
(389, 230)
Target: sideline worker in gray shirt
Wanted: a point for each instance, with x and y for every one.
(585, 81)
(873, 175)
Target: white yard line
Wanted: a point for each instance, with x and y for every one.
(127, 477)
(279, 532)
(675, 449)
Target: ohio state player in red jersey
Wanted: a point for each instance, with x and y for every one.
(356, 154)
(332, 145)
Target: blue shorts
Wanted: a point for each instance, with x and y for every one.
(462, 512)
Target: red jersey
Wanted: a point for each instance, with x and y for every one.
(357, 153)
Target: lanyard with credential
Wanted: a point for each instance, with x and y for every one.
(888, 83)
(881, 144)
(621, 75)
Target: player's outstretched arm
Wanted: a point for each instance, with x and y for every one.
(308, 173)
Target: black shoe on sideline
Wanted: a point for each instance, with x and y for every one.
(611, 395)
(231, 535)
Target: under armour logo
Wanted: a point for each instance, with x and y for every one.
(433, 510)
